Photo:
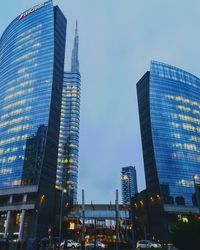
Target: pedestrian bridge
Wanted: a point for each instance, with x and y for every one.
(99, 211)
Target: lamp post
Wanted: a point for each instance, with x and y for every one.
(126, 223)
(195, 178)
(83, 221)
(95, 233)
(127, 179)
(117, 219)
(61, 212)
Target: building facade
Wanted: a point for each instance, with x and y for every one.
(68, 152)
(32, 50)
(128, 184)
(169, 110)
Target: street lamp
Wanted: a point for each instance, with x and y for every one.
(63, 190)
(127, 179)
(195, 178)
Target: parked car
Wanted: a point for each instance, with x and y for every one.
(69, 243)
(147, 244)
(91, 244)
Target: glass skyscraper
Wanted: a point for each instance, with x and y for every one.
(32, 50)
(67, 171)
(128, 184)
(169, 110)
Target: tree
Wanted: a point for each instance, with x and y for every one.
(186, 235)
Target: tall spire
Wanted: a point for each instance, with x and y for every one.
(74, 59)
(76, 30)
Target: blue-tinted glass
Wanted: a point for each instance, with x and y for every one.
(68, 151)
(175, 124)
(26, 73)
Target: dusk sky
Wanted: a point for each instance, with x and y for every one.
(117, 41)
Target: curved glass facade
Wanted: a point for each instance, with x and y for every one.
(169, 107)
(31, 72)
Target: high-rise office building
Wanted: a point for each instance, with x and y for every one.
(32, 50)
(128, 184)
(169, 110)
(67, 171)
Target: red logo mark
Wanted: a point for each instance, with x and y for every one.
(21, 16)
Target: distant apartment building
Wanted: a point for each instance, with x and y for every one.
(128, 183)
(169, 111)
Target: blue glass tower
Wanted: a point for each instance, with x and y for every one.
(68, 152)
(32, 52)
(169, 110)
